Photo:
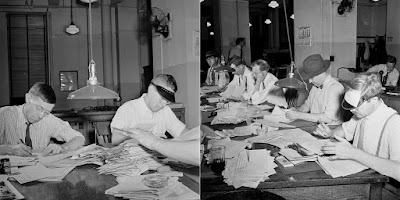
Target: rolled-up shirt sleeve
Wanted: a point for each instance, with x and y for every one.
(349, 128)
(62, 130)
(333, 106)
(173, 125)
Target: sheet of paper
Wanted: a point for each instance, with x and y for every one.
(192, 134)
(238, 92)
(277, 115)
(339, 168)
(215, 99)
(37, 172)
(228, 91)
(269, 123)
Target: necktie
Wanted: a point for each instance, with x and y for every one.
(360, 143)
(28, 141)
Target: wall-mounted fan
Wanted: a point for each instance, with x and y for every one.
(160, 22)
(345, 6)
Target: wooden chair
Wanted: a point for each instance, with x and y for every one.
(102, 133)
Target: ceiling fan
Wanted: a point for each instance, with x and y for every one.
(160, 22)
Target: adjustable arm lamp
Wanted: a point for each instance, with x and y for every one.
(93, 90)
(290, 81)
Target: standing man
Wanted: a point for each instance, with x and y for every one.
(237, 50)
(31, 125)
(390, 74)
(150, 109)
(373, 129)
(323, 102)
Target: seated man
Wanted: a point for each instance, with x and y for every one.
(150, 108)
(323, 102)
(264, 88)
(31, 125)
(213, 61)
(242, 77)
(373, 129)
(390, 73)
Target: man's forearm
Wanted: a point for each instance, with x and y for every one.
(5, 150)
(74, 143)
(314, 117)
(384, 166)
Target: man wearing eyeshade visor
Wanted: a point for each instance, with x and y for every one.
(373, 129)
(150, 112)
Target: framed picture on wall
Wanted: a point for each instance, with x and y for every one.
(68, 81)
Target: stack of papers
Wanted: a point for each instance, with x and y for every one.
(232, 147)
(133, 188)
(339, 168)
(233, 92)
(129, 161)
(249, 168)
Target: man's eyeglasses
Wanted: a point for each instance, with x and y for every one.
(41, 110)
(347, 106)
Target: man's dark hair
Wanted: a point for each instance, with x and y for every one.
(239, 40)
(391, 59)
(43, 91)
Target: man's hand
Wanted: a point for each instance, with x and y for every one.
(323, 130)
(292, 115)
(340, 150)
(53, 149)
(146, 139)
(260, 77)
(20, 150)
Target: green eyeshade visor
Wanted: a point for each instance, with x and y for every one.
(166, 94)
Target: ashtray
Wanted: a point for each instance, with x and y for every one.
(156, 181)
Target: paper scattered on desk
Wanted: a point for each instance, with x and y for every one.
(17, 161)
(133, 188)
(269, 123)
(249, 168)
(232, 147)
(233, 91)
(277, 115)
(215, 99)
(129, 161)
(339, 168)
(39, 171)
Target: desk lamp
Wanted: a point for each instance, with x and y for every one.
(290, 81)
(93, 90)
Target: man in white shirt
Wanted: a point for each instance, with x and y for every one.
(237, 50)
(323, 102)
(373, 129)
(390, 74)
(150, 111)
(264, 88)
(243, 77)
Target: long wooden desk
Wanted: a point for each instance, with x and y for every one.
(306, 185)
(85, 182)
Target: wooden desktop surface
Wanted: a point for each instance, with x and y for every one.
(306, 185)
(85, 182)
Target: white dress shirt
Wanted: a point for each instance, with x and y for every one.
(393, 76)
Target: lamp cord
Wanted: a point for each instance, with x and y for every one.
(287, 30)
(72, 20)
(90, 29)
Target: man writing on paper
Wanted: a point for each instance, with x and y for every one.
(243, 78)
(151, 110)
(373, 129)
(31, 125)
(323, 102)
(264, 88)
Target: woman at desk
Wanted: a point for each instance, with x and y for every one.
(373, 129)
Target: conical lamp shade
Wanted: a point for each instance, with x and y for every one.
(290, 82)
(93, 92)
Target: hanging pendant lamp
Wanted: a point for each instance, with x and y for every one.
(72, 28)
(93, 90)
(290, 81)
